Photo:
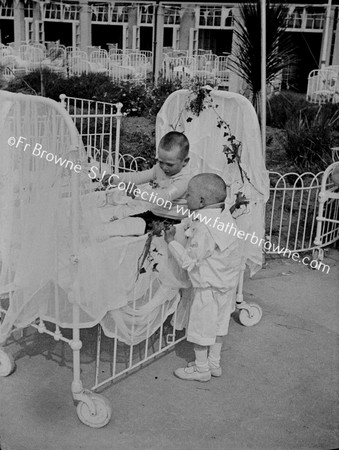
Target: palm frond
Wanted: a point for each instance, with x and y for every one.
(280, 51)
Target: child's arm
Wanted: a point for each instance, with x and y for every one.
(176, 189)
(142, 177)
(200, 247)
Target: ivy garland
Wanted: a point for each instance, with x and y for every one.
(148, 255)
(200, 99)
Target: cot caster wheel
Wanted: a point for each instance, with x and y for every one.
(251, 316)
(318, 254)
(102, 415)
(7, 364)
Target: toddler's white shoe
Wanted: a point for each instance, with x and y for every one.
(215, 371)
(191, 374)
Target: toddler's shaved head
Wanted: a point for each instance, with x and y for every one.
(210, 186)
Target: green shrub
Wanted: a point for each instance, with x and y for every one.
(159, 93)
(282, 107)
(286, 104)
(134, 97)
(137, 99)
(309, 141)
(330, 113)
(84, 85)
(141, 144)
(30, 83)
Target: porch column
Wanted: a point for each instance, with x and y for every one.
(186, 23)
(335, 60)
(158, 45)
(236, 83)
(36, 19)
(236, 13)
(132, 22)
(19, 24)
(326, 40)
(85, 25)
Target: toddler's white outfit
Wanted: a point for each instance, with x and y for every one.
(212, 258)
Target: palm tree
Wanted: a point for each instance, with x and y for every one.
(246, 61)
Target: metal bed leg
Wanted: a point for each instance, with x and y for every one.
(249, 313)
(7, 364)
(93, 409)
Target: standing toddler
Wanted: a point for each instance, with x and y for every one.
(212, 258)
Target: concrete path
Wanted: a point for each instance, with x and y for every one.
(279, 388)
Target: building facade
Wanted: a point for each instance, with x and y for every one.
(152, 25)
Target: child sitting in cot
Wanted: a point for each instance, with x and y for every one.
(169, 179)
(211, 257)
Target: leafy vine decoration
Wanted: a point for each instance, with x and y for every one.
(200, 99)
(147, 257)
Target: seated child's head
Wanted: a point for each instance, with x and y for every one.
(173, 152)
(204, 190)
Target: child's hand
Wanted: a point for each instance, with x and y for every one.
(106, 180)
(131, 191)
(240, 200)
(169, 234)
(154, 184)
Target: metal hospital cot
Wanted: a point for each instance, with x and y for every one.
(62, 270)
(328, 211)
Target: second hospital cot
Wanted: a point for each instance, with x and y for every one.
(63, 269)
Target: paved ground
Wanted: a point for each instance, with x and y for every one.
(278, 390)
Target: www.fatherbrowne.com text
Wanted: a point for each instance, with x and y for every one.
(254, 239)
(153, 197)
(221, 226)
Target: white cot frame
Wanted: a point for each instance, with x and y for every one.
(95, 122)
(93, 409)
